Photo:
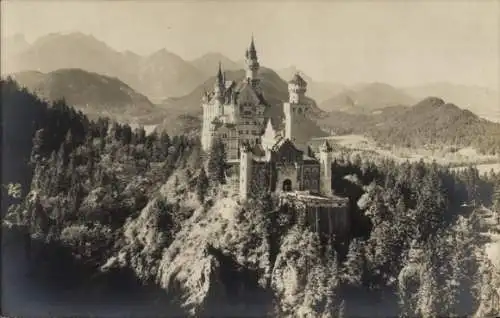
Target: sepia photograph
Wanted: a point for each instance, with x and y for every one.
(250, 158)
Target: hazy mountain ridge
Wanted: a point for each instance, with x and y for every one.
(366, 97)
(429, 122)
(319, 91)
(483, 101)
(94, 94)
(158, 75)
(208, 63)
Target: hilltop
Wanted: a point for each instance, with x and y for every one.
(431, 121)
(483, 101)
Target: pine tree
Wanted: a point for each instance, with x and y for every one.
(202, 185)
(38, 144)
(354, 266)
(496, 200)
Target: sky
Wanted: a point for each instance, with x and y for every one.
(400, 43)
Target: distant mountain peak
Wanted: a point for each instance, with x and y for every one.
(431, 100)
(208, 63)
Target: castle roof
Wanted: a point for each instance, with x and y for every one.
(244, 85)
(220, 77)
(258, 151)
(251, 52)
(228, 84)
(308, 159)
(297, 79)
(325, 146)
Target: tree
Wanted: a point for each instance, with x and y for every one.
(496, 201)
(38, 144)
(202, 185)
(217, 163)
(354, 265)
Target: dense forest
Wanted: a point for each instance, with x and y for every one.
(98, 198)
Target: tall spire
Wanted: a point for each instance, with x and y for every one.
(251, 51)
(220, 76)
(219, 82)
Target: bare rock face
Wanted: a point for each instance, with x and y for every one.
(219, 260)
(215, 246)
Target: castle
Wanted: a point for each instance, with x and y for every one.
(262, 155)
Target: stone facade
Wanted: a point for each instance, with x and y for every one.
(238, 107)
(267, 159)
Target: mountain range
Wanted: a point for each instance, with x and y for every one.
(366, 98)
(319, 91)
(431, 121)
(208, 63)
(484, 102)
(157, 75)
(126, 86)
(94, 94)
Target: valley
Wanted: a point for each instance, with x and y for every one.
(456, 158)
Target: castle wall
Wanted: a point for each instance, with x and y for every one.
(328, 220)
(325, 159)
(229, 136)
(294, 118)
(246, 172)
(287, 172)
(310, 177)
(211, 110)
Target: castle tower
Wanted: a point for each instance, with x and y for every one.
(245, 172)
(219, 83)
(295, 110)
(212, 108)
(325, 159)
(252, 65)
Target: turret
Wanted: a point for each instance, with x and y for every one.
(219, 82)
(295, 110)
(245, 171)
(297, 88)
(252, 64)
(325, 159)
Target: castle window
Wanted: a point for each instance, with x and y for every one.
(287, 185)
(315, 170)
(314, 183)
(306, 183)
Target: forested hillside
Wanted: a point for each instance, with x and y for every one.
(94, 94)
(429, 122)
(107, 200)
